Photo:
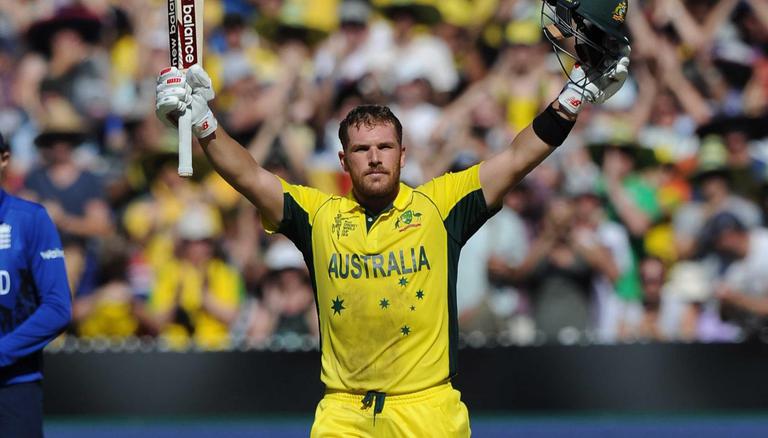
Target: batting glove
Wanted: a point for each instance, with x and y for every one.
(581, 87)
(171, 95)
(177, 93)
(203, 121)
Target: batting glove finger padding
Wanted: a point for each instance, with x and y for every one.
(200, 82)
(172, 95)
(582, 87)
(203, 121)
(610, 83)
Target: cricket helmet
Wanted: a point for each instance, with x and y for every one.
(598, 29)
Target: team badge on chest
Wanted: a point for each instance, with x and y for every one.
(409, 219)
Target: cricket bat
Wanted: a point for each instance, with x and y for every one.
(185, 39)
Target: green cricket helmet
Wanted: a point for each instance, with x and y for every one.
(597, 27)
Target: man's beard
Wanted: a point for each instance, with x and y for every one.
(366, 189)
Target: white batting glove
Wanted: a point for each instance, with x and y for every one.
(596, 90)
(203, 121)
(177, 93)
(171, 95)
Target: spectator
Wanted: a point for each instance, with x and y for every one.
(743, 289)
(524, 80)
(286, 306)
(652, 278)
(487, 300)
(712, 180)
(73, 195)
(196, 295)
(673, 306)
(413, 51)
(350, 53)
(606, 247)
(560, 269)
(67, 41)
(108, 310)
(630, 200)
(746, 170)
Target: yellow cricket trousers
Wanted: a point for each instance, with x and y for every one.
(434, 412)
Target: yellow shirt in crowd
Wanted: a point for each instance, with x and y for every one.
(181, 279)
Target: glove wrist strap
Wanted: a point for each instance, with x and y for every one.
(205, 126)
(551, 127)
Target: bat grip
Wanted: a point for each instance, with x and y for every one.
(185, 144)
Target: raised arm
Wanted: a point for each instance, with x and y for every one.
(230, 159)
(548, 130)
(503, 171)
(236, 165)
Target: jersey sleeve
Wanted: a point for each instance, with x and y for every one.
(45, 258)
(300, 205)
(459, 199)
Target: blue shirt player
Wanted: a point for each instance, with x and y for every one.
(35, 306)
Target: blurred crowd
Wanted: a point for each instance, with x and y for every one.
(647, 225)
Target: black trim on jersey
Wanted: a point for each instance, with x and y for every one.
(464, 219)
(468, 215)
(374, 216)
(454, 250)
(296, 227)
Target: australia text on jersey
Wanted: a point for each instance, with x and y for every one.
(403, 261)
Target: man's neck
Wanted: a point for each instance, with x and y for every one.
(378, 204)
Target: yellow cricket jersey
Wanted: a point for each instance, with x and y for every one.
(179, 283)
(386, 294)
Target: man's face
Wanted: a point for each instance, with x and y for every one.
(355, 33)
(198, 251)
(587, 208)
(60, 151)
(731, 243)
(5, 159)
(373, 160)
(652, 279)
(619, 161)
(714, 187)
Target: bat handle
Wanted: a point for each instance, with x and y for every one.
(185, 144)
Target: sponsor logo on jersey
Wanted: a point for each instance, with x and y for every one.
(5, 236)
(50, 254)
(404, 261)
(620, 12)
(409, 219)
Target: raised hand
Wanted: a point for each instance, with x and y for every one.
(584, 85)
(177, 93)
(172, 95)
(203, 121)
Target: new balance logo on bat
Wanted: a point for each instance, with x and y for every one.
(173, 30)
(189, 37)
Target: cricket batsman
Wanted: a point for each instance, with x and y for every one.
(35, 306)
(383, 260)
